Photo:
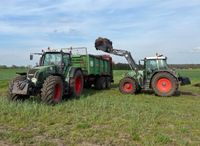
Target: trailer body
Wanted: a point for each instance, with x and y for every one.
(97, 69)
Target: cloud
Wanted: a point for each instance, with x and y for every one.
(196, 50)
(142, 26)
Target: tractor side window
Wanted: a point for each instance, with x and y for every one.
(162, 64)
(151, 65)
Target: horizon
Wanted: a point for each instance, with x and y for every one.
(143, 27)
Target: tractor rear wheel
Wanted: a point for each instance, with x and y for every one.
(12, 96)
(127, 86)
(52, 90)
(164, 84)
(76, 85)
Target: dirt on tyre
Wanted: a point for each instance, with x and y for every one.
(164, 84)
(52, 90)
(76, 84)
(15, 97)
(127, 86)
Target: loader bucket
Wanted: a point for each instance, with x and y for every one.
(103, 44)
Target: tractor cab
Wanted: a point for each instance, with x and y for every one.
(59, 59)
(51, 62)
(156, 63)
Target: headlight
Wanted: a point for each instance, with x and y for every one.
(34, 80)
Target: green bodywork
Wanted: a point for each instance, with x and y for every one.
(92, 65)
(136, 76)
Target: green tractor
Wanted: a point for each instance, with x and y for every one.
(53, 78)
(153, 75)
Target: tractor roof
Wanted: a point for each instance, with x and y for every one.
(76, 50)
(156, 57)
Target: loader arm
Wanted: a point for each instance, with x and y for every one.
(105, 45)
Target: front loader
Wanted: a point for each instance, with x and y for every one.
(155, 74)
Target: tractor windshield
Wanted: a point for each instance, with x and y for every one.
(52, 59)
(156, 64)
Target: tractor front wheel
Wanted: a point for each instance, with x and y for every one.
(127, 86)
(164, 84)
(52, 90)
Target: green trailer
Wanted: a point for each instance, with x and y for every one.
(97, 70)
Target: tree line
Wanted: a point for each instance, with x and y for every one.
(12, 67)
(118, 66)
(124, 66)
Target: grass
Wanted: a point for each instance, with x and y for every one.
(103, 118)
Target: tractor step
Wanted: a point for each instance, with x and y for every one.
(147, 85)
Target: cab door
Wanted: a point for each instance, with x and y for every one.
(66, 62)
(151, 66)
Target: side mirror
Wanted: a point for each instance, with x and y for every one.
(31, 57)
(139, 63)
(40, 62)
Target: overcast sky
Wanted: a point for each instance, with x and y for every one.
(144, 27)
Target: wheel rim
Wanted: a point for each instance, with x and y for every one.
(58, 92)
(127, 87)
(78, 84)
(164, 85)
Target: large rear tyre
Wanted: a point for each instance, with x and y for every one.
(76, 85)
(164, 84)
(52, 90)
(127, 86)
(15, 97)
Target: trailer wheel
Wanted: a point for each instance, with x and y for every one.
(108, 82)
(127, 86)
(100, 83)
(164, 84)
(77, 84)
(52, 90)
(14, 97)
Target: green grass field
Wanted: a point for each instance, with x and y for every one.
(103, 118)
